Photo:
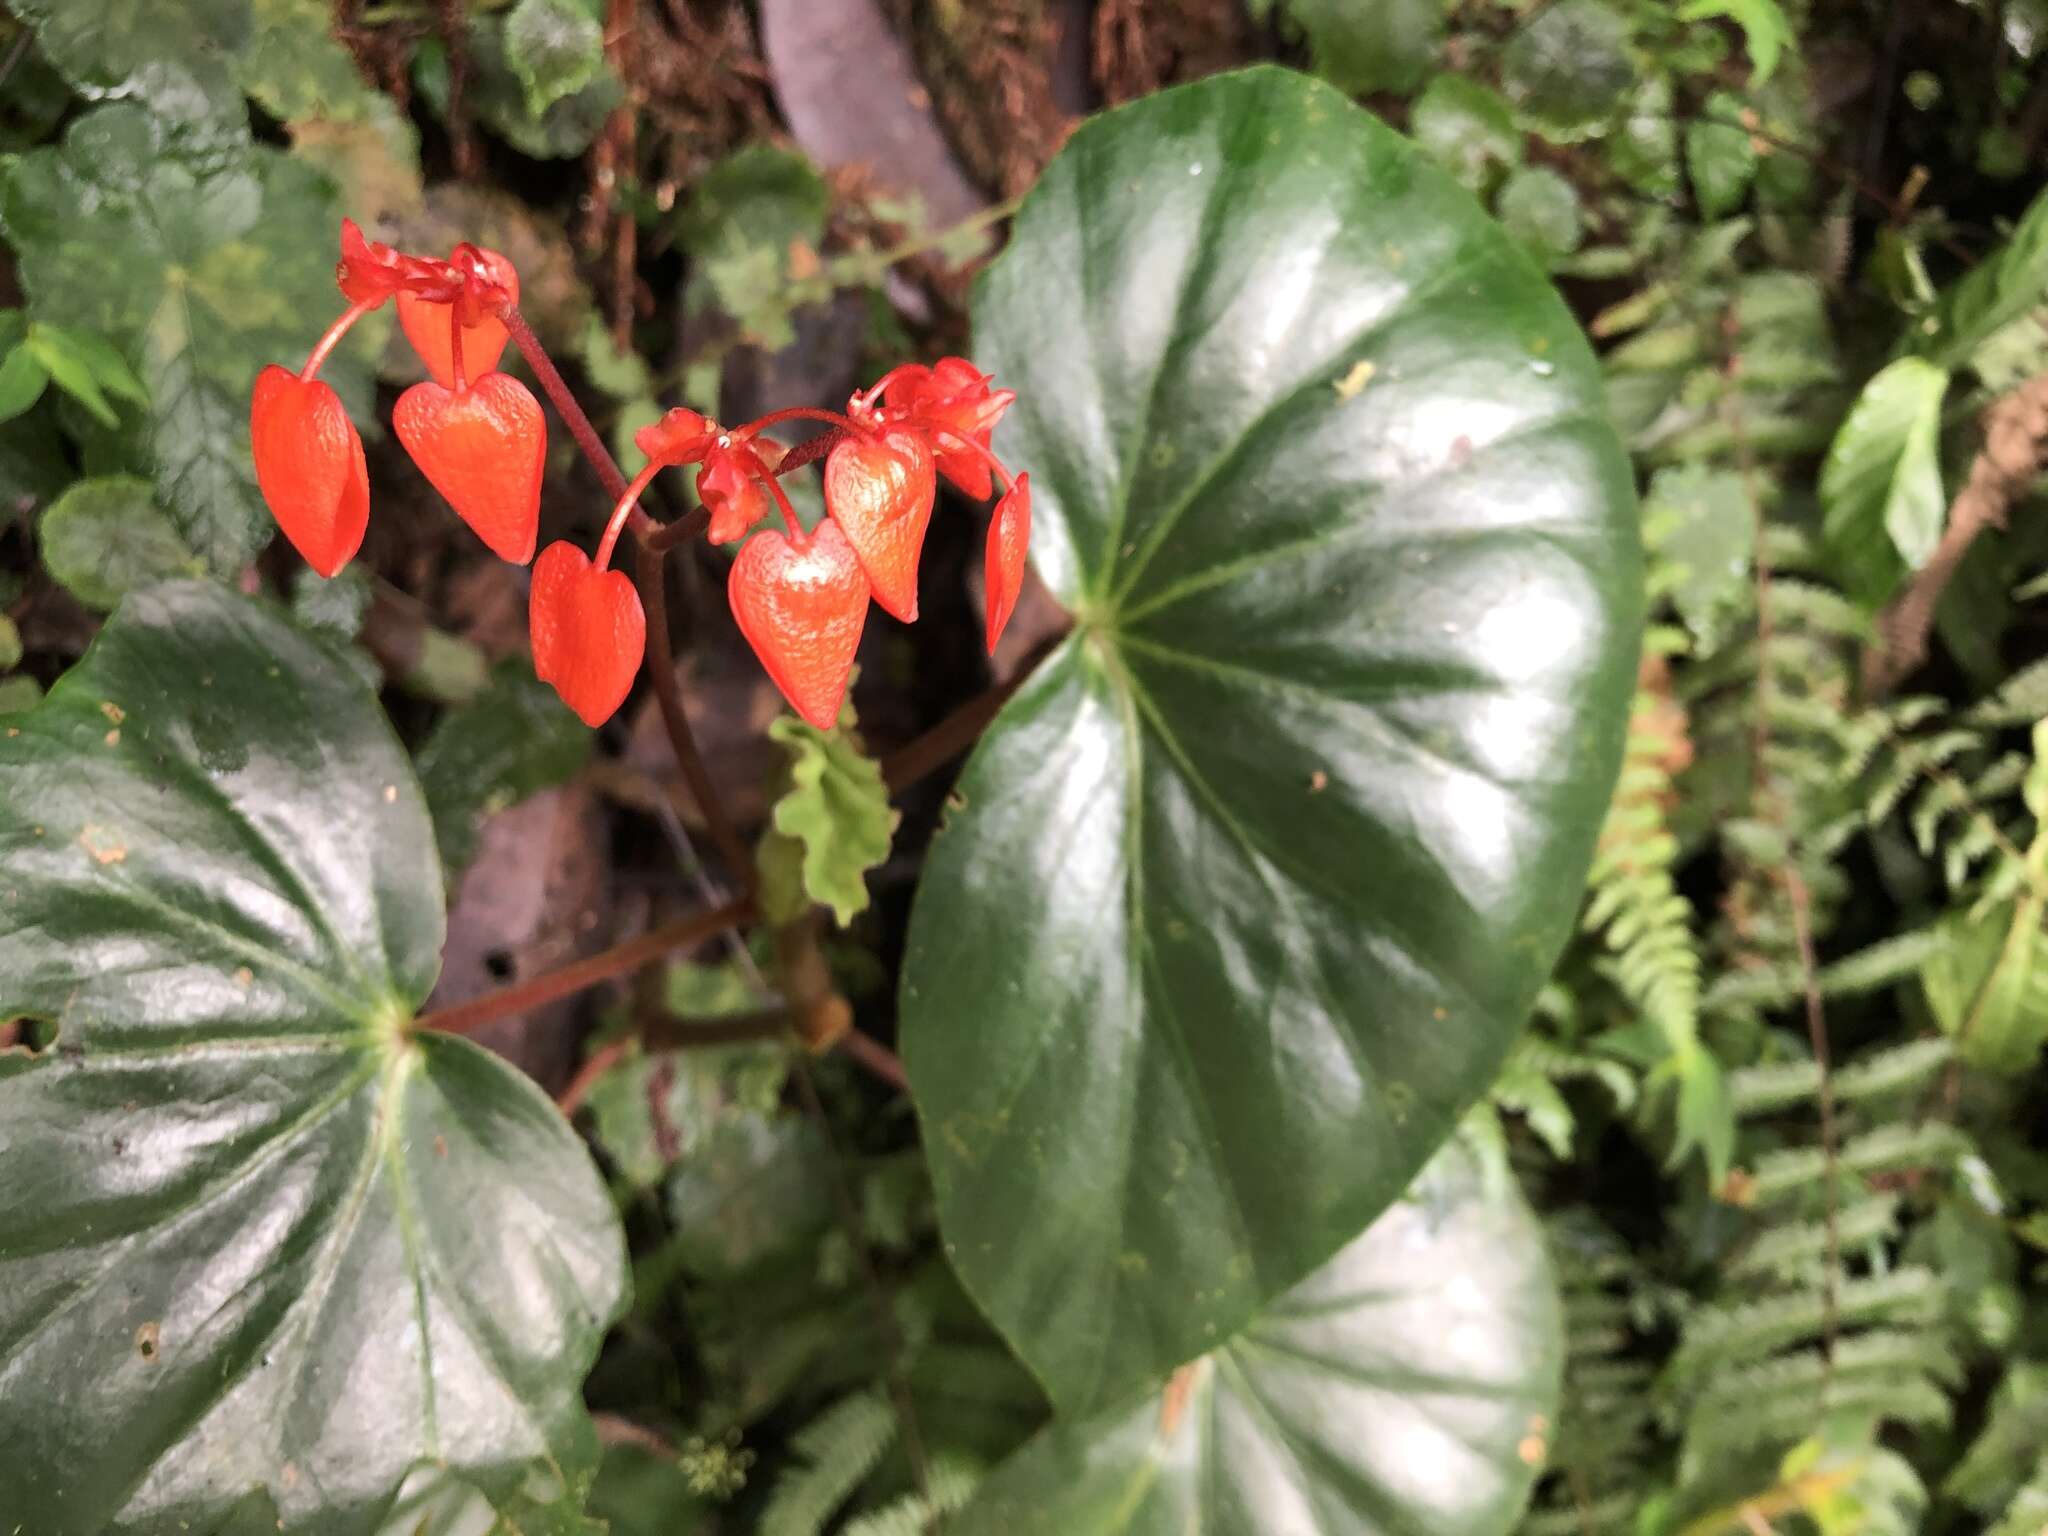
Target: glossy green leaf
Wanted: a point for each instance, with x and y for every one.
(513, 740)
(105, 536)
(1467, 129)
(201, 268)
(1386, 46)
(259, 1240)
(1881, 496)
(1407, 1386)
(836, 810)
(1567, 68)
(1248, 889)
(555, 47)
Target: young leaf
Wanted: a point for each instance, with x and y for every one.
(1251, 876)
(1765, 31)
(836, 810)
(49, 346)
(260, 1240)
(1881, 498)
(1541, 210)
(1567, 68)
(1408, 1385)
(1467, 129)
(105, 537)
(1719, 157)
(1360, 49)
(555, 47)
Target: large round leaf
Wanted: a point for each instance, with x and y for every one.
(261, 1245)
(1408, 1386)
(1255, 881)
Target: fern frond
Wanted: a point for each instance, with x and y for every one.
(1791, 1251)
(1887, 1149)
(1723, 1332)
(836, 1450)
(952, 1481)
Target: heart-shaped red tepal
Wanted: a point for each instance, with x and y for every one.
(880, 490)
(1009, 544)
(801, 604)
(483, 449)
(588, 630)
(309, 466)
(427, 327)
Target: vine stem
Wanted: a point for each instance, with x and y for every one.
(619, 960)
(660, 654)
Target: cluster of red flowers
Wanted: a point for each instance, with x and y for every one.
(479, 437)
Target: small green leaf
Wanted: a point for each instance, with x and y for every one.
(514, 739)
(265, 1248)
(555, 47)
(101, 359)
(1567, 69)
(1644, 151)
(1719, 157)
(495, 93)
(22, 381)
(1987, 985)
(1701, 527)
(69, 372)
(10, 644)
(1386, 46)
(1466, 128)
(1880, 488)
(336, 605)
(1765, 31)
(1409, 1385)
(1541, 210)
(836, 808)
(1992, 295)
(105, 537)
(744, 218)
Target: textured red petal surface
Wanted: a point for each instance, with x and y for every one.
(484, 450)
(426, 327)
(880, 491)
(309, 466)
(1009, 545)
(588, 630)
(801, 607)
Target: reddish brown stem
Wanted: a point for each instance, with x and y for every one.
(668, 694)
(661, 661)
(959, 730)
(557, 390)
(619, 960)
(876, 1057)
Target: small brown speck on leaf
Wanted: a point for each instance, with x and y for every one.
(1531, 1450)
(390, 794)
(244, 977)
(114, 737)
(115, 713)
(98, 842)
(440, 1146)
(1318, 782)
(148, 1341)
